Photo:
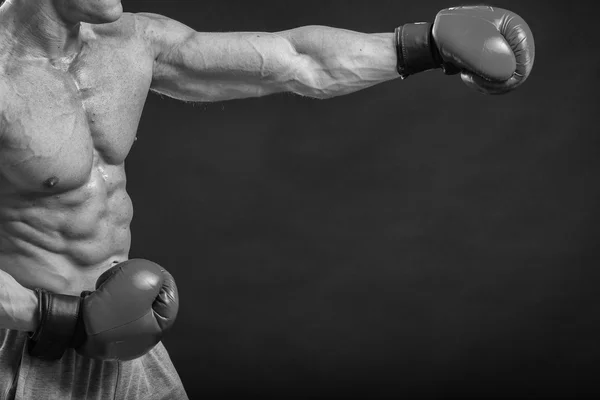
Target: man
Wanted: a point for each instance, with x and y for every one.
(74, 76)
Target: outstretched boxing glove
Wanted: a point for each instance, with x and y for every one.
(492, 48)
(134, 304)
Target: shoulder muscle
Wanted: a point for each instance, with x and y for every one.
(161, 33)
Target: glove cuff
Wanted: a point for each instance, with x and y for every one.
(79, 334)
(58, 315)
(416, 49)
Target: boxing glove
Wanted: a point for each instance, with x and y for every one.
(134, 304)
(492, 48)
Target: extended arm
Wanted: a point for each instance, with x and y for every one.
(492, 48)
(313, 61)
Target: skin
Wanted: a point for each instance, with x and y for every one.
(71, 97)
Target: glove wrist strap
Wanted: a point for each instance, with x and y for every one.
(79, 334)
(415, 49)
(58, 315)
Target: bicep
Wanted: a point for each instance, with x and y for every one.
(218, 66)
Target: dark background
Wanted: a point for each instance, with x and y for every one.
(416, 238)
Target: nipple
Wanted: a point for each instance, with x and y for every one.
(51, 182)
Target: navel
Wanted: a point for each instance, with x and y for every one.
(51, 182)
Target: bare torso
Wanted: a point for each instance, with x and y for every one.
(65, 131)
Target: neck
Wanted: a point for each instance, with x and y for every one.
(38, 30)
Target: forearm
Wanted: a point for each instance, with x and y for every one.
(18, 305)
(337, 61)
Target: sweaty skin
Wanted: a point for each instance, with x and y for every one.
(74, 77)
(65, 131)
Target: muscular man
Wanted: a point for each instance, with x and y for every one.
(74, 76)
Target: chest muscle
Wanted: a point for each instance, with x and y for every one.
(54, 122)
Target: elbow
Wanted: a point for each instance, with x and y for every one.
(318, 94)
(323, 94)
(311, 85)
(309, 79)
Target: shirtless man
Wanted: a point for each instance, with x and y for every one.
(74, 76)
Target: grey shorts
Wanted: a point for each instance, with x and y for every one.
(150, 377)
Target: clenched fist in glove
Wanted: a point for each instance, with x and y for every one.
(490, 47)
(134, 303)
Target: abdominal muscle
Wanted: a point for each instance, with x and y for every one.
(63, 242)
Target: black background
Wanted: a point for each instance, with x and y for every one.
(416, 238)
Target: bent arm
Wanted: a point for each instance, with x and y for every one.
(314, 61)
(18, 305)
